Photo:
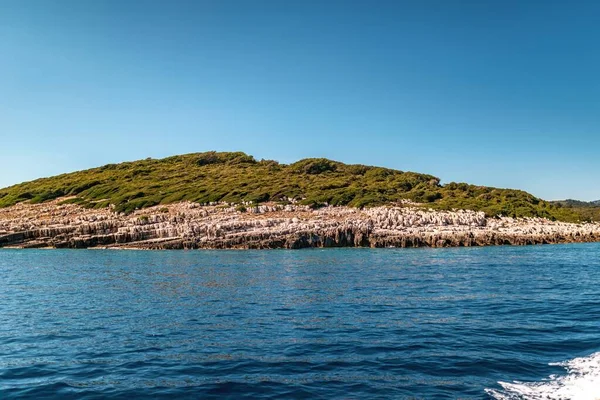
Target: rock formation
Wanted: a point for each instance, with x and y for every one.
(188, 225)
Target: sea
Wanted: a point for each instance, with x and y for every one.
(460, 323)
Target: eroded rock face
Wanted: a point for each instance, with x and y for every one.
(189, 226)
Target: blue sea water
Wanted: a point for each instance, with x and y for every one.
(465, 323)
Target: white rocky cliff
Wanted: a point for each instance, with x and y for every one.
(189, 225)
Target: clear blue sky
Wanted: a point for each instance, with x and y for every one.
(498, 93)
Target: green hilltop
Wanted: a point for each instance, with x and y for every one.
(236, 177)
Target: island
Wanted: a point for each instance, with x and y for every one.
(230, 200)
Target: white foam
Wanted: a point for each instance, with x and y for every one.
(582, 382)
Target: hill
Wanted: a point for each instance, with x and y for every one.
(235, 177)
(587, 211)
(577, 203)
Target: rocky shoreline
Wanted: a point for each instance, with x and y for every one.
(188, 225)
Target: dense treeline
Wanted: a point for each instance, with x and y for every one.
(238, 178)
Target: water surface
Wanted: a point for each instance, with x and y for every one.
(339, 323)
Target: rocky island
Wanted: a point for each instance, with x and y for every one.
(231, 201)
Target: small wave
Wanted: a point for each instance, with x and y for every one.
(582, 382)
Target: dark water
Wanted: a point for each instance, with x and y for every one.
(347, 323)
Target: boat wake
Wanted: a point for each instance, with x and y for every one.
(582, 382)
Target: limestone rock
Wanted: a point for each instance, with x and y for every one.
(188, 225)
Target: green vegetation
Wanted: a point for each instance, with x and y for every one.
(586, 211)
(577, 203)
(238, 178)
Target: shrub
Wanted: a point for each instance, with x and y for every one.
(314, 166)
